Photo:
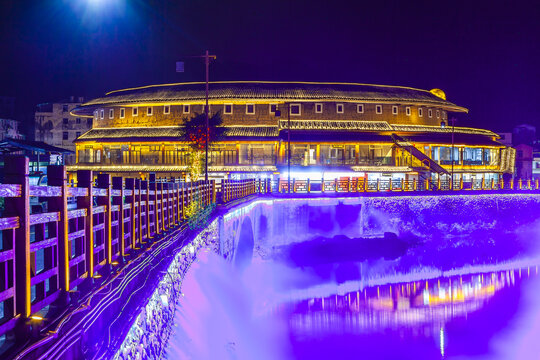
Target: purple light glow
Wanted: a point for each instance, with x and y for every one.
(420, 277)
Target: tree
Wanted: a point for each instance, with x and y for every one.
(195, 135)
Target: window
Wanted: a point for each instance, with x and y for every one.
(122, 113)
(420, 112)
(102, 114)
(111, 113)
(394, 110)
(360, 108)
(95, 114)
(227, 109)
(295, 109)
(444, 114)
(78, 133)
(250, 109)
(339, 108)
(378, 109)
(166, 109)
(438, 114)
(186, 109)
(89, 121)
(408, 111)
(430, 113)
(135, 111)
(65, 135)
(65, 121)
(149, 111)
(318, 108)
(64, 108)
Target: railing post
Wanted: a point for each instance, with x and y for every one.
(16, 171)
(154, 198)
(308, 186)
(85, 180)
(336, 185)
(183, 199)
(57, 176)
(378, 184)
(146, 199)
(118, 185)
(130, 185)
(414, 184)
(159, 190)
(138, 218)
(520, 182)
(104, 182)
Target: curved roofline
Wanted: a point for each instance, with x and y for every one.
(267, 82)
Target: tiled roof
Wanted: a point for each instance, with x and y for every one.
(265, 91)
(172, 133)
(168, 168)
(336, 125)
(446, 130)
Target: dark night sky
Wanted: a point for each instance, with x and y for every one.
(484, 55)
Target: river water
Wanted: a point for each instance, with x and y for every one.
(431, 277)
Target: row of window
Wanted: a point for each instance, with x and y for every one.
(65, 135)
(294, 109)
(65, 121)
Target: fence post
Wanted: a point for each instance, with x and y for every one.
(16, 171)
(145, 198)
(104, 182)
(85, 180)
(154, 198)
(159, 189)
(378, 184)
(57, 176)
(118, 185)
(138, 217)
(414, 184)
(130, 185)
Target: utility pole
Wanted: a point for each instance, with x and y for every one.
(180, 68)
(206, 62)
(452, 176)
(289, 147)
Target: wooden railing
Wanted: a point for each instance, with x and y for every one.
(281, 185)
(80, 232)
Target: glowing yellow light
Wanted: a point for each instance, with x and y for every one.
(36, 317)
(438, 93)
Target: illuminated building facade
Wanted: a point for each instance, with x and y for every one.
(336, 130)
(54, 125)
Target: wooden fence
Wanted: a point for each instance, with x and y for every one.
(73, 234)
(354, 185)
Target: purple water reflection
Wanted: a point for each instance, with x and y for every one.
(451, 278)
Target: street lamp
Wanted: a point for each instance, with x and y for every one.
(180, 68)
(277, 113)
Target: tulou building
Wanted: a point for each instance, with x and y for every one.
(335, 130)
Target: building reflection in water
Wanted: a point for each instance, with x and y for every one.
(420, 308)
